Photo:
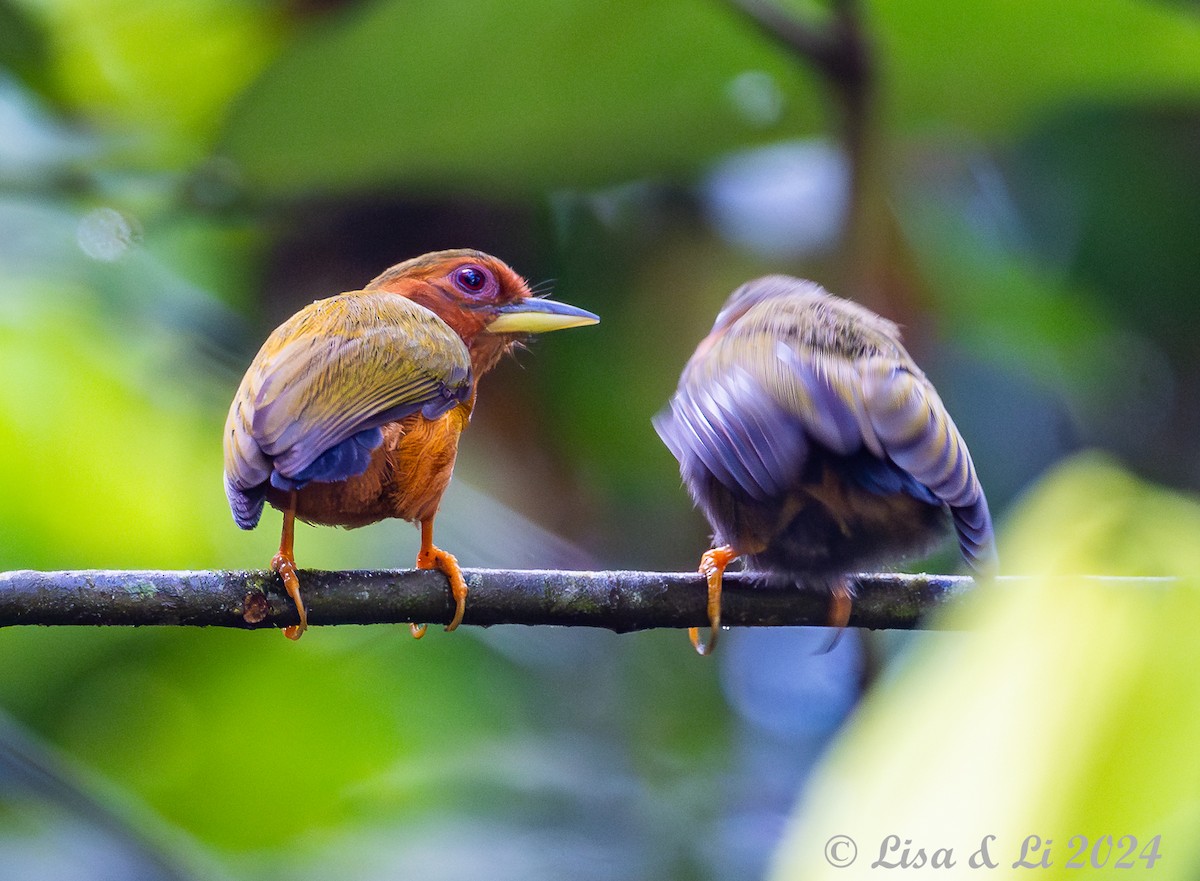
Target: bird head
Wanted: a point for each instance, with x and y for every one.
(481, 298)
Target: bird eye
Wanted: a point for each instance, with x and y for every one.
(471, 279)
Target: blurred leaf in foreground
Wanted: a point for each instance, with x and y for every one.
(1064, 708)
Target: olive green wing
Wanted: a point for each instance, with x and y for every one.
(311, 403)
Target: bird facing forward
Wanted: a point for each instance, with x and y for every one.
(351, 411)
(815, 446)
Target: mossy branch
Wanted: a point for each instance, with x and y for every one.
(619, 601)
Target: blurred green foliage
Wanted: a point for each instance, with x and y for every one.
(175, 178)
(158, 77)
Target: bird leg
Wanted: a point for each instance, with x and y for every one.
(285, 564)
(432, 557)
(712, 567)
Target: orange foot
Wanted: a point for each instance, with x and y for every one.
(432, 557)
(841, 602)
(286, 567)
(712, 567)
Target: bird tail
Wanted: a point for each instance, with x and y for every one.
(976, 540)
(246, 504)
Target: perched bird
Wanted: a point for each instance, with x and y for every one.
(351, 411)
(815, 446)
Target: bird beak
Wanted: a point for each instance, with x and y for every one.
(531, 315)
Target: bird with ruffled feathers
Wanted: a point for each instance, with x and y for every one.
(816, 447)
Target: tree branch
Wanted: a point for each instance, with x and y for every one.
(874, 260)
(836, 48)
(620, 601)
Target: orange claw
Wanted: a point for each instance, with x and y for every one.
(286, 567)
(433, 557)
(285, 564)
(841, 602)
(712, 567)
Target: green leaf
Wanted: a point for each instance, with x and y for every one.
(164, 70)
(488, 96)
(1059, 707)
(993, 66)
(496, 96)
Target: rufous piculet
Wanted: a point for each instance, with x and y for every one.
(351, 411)
(815, 446)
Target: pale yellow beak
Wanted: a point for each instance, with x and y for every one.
(532, 315)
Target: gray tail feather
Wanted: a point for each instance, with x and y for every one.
(246, 505)
(973, 523)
